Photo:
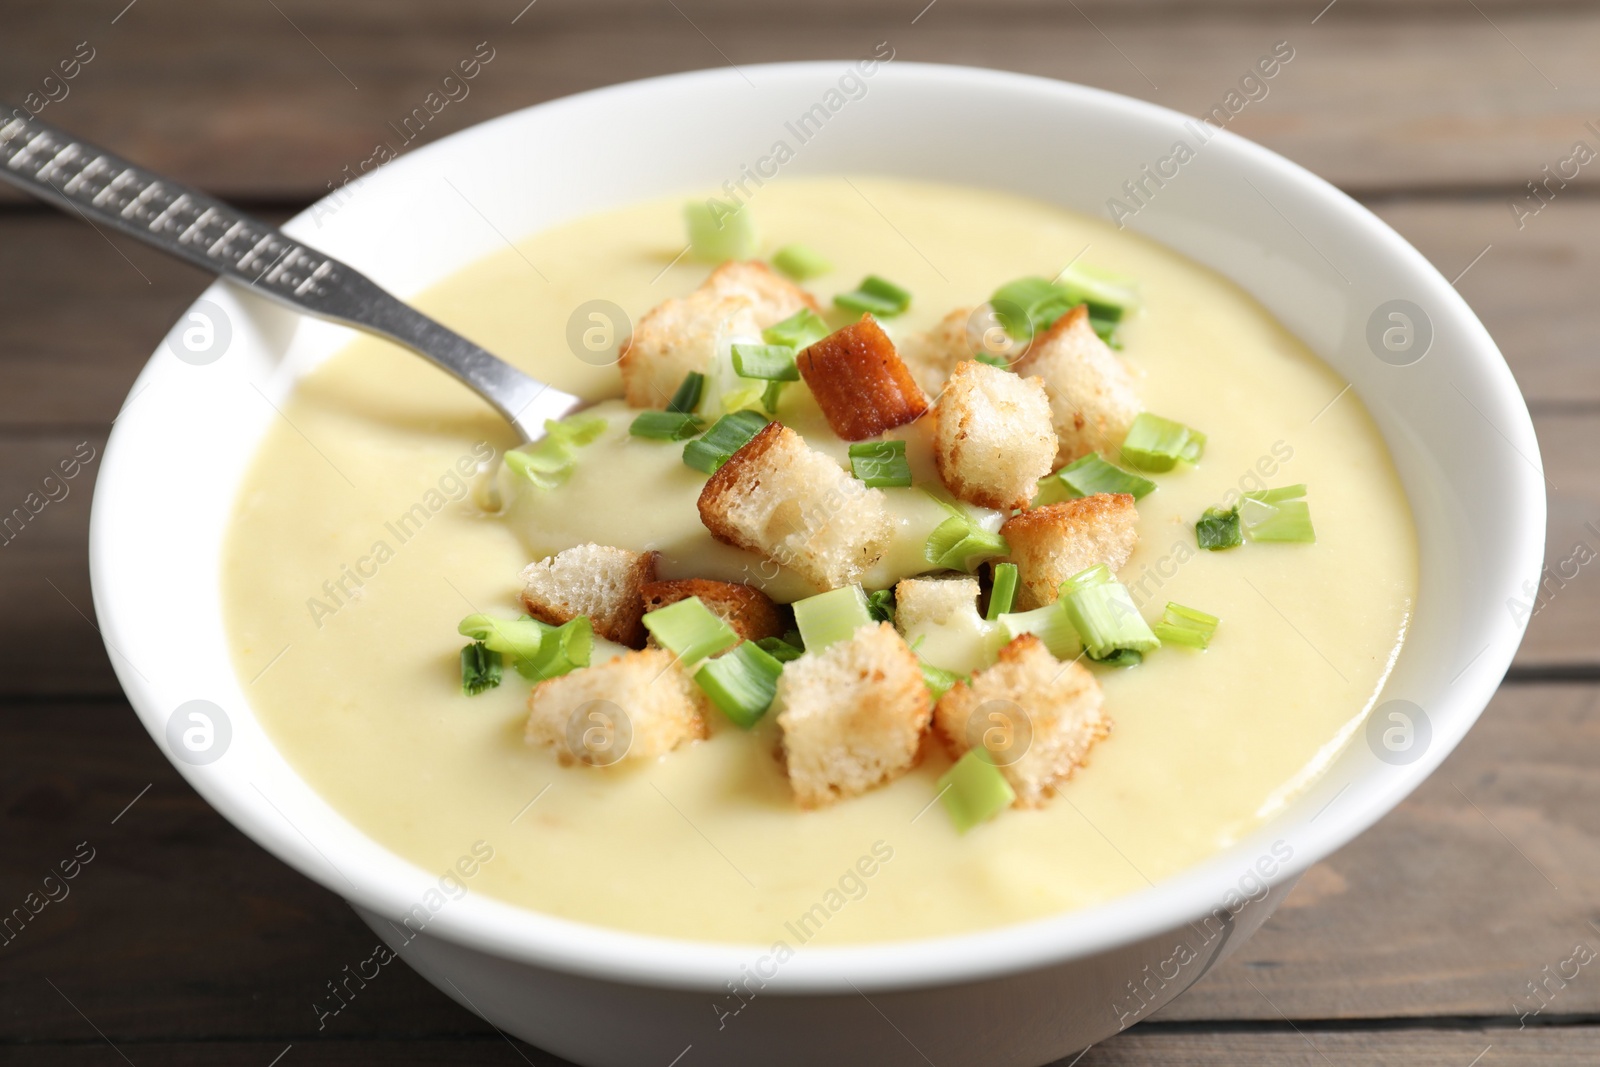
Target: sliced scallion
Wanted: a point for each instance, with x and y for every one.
(974, 790)
(875, 296)
(781, 650)
(831, 616)
(1185, 626)
(958, 543)
(801, 330)
(1218, 528)
(1028, 306)
(518, 638)
(1277, 515)
(1004, 591)
(565, 648)
(880, 464)
(729, 434)
(690, 630)
(769, 362)
(1102, 611)
(1091, 474)
(1049, 624)
(665, 425)
(742, 682)
(800, 262)
(480, 668)
(1121, 657)
(880, 605)
(549, 462)
(1157, 444)
(687, 398)
(719, 231)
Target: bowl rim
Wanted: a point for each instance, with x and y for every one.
(515, 933)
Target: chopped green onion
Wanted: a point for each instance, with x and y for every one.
(1091, 474)
(518, 638)
(729, 434)
(665, 425)
(938, 680)
(771, 362)
(747, 398)
(1108, 295)
(1122, 657)
(480, 668)
(687, 398)
(1101, 610)
(1049, 624)
(769, 396)
(549, 462)
(1003, 592)
(960, 544)
(565, 648)
(781, 650)
(742, 682)
(1218, 528)
(800, 262)
(880, 605)
(1277, 515)
(875, 296)
(831, 616)
(719, 231)
(880, 464)
(974, 790)
(1185, 626)
(801, 330)
(1029, 305)
(690, 630)
(1157, 444)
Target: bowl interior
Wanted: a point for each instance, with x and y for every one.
(1453, 419)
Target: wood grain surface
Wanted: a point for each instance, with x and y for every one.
(182, 942)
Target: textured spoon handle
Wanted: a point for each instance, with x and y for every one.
(106, 190)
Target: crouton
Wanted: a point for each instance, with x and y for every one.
(853, 715)
(635, 707)
(860, 382)
(994, 439)
(1091, 392)
(1052, 543)
(738, 300)
(940, 616)
(1039, 717)
(750, 612)
(797, 507)
(594, 580)
(933, 354)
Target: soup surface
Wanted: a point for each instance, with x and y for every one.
(356, 549)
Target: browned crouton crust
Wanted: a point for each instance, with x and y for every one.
(1052, 543)
(797, 507)
(853, 715)
(994, 438)
(594, 580)
(1049, 713)
(860, 382)
(1091, 393)
(750, 612)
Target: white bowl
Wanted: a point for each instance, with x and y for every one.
(1453, 419)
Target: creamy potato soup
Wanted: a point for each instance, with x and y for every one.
(358, 547)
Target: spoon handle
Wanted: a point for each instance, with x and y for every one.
(104, 189)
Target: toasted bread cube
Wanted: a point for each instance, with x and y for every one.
(750, 612)
(797, 507)
(1052, 543)
(860, 382)
(599, 581)
(1091, 392)
(933, 354)
(994, 438)
(1042, 715)
(853, 715)
(635, 707)
(738, 300)
(920, 602)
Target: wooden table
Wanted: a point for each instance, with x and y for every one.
(182, 942)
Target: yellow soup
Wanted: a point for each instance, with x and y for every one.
(356, 549)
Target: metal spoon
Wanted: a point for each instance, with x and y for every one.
(101, 187)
